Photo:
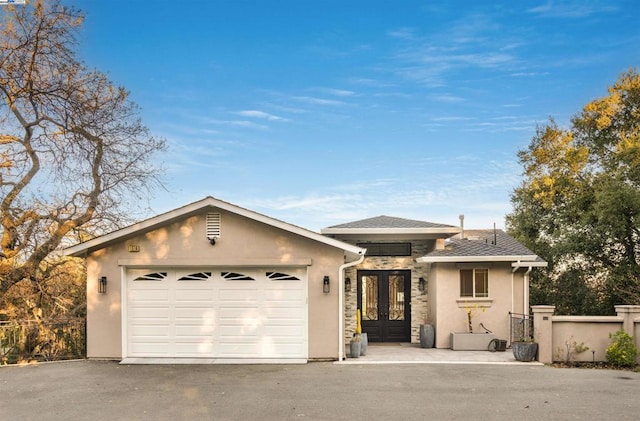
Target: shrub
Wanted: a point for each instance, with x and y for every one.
(623, 351)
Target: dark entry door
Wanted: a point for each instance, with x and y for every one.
(383, 298)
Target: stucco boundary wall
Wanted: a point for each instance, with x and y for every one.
(560, 337)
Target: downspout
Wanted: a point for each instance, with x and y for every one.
(341, 303)
(512, 290)
(525, 283)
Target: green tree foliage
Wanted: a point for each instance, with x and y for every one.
(73, 151)
(579, 204)
(622, 351)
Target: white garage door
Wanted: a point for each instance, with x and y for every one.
(221, 314)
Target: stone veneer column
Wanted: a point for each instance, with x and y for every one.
(419, 300)
(543, 332)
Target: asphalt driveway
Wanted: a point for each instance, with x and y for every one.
(92, 390)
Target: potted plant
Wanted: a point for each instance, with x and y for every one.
(524, 349)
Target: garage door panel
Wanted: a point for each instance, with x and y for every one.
(149, 295)
(190, 350)
(282, 296)
(238, 313)
(149, 312)
(242, 331)
(239, 295)
(283, 312)
(205, 312)
(195, 295)
(150, 349)
(200, 313)
(203, 330)
(283, 321)
(283, 331)
(261, 350)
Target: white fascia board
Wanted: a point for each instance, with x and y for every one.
(159, 220)
(525, 264)
(526, 260)
(387, 231)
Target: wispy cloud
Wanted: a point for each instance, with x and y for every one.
(529, 74)
(371, 83)
(403, 33)
(452, 118)
(261, 115)
(448, 98)
(237, 123)
(571, 9)
(318, 101)
(475, 41)
(337, 92)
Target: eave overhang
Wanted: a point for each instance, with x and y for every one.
(520, 261)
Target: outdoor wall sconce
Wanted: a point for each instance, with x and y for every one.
(102, 285)
(421, 284)
(325, 285)
(347, 285)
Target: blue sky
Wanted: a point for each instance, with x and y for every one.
(324, 112)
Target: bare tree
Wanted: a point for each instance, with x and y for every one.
(72, 147)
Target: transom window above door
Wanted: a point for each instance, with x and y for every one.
(386, 249)
(474, 283)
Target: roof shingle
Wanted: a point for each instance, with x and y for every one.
(384, 221)
(482, 243)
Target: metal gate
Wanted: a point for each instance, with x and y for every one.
(521, 327)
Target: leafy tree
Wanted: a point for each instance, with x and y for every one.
(579, 204)
(72, 147)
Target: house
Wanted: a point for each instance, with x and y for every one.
(417, 272)
(215, 282)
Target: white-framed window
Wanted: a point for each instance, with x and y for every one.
(474, 283)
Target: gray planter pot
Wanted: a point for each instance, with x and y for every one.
(354, 349)
(524, 351)
(364, 342)
(427, 336)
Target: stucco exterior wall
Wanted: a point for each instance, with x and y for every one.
(592, 332)
(243, 242)
(493, 312)
(560, 337)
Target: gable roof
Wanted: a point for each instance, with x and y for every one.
(390, 225)
(197, 207)
(483, 246)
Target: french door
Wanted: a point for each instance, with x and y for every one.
(384, 300)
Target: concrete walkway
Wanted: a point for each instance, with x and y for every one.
(405, 353)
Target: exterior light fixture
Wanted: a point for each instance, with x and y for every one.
(325, 285)
(347, 285)
(102, 285)
(421, 284)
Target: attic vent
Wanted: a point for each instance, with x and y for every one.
(213, 225)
